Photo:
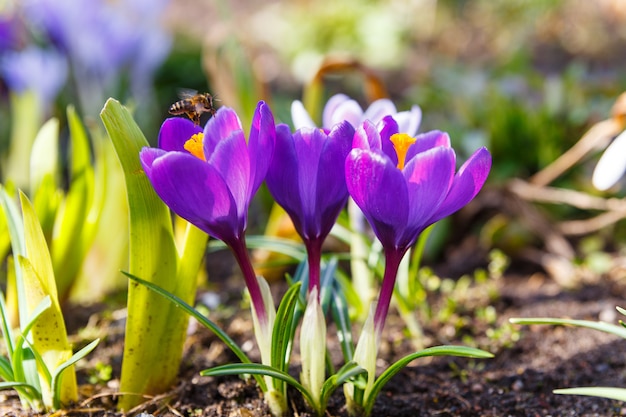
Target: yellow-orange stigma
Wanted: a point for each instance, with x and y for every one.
(401, 143)
(194, 146)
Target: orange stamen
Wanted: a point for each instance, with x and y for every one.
(194, 146)
(401, 143)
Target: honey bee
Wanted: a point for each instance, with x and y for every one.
(193, 104)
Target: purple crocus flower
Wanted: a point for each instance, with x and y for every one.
(406, 187)
(209, 177)
(307, 178)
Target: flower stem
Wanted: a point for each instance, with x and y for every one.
(239, 249)
(393, 257)
(314, 252)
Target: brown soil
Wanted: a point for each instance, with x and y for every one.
(518, 382)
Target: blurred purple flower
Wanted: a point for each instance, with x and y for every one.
(402, 195)
(102, 38)
(307, 178)
(341, 107)
(9, 33)
(209, 177)
(42, 71)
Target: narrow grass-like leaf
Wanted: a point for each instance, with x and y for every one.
(30, 390)
(341, 318)
(446, 350)
(7, 334)
(282, 333)
(6, 372)
(58, 372)
(596, 325)
(601, 392)
(258, 369)
(344, 374)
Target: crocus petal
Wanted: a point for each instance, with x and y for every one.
(348, 110)
(332, 193)
(219, 127)
(387, 128)
(175, 131)
(282, 176)
(195, 191)
(467, 183)
(612, 164)
(427, 141)
(299, 116)
(367, 137)
(308, 145)
(147, 157)
(261, 143)
(331, 107)
(409, 121)
(379, 109)
(429, 176)
(231, 159)
(380, 190)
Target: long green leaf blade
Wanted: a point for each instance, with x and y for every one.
(258, 369)
(596, 325)
(446, 350)
(155, 329)
(56, 376)
(602, 392)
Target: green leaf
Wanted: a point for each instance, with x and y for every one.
(341, 318)
(6, 372)
(49, 334)
(31, 391)
(155, 329)
(258, 369)
(18, 246)
(602, 392)
(282, 334)
(446, 350)
(44, 156)
(347, 372)
(56, 376)
(596, 325)
(74, 233)
(24, 368)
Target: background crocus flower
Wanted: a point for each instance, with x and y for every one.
(400, 197)
(340, 107)
(307, 178)
(22, 71)
(209, 178)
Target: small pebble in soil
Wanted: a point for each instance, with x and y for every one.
(518, 385)
(477, 388)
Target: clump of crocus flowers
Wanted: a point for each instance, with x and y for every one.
(402, 183)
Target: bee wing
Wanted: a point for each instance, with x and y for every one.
(185, 93)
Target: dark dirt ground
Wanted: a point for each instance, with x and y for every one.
(517, 382)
